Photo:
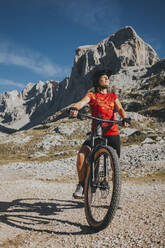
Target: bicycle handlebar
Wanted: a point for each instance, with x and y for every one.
(66, 113)
(102, 120)
(121, 123)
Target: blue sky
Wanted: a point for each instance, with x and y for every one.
(38, 38)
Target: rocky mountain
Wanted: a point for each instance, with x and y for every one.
(32, 105)
(124, 49)
(138, 76)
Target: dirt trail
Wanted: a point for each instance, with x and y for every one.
(35, 213)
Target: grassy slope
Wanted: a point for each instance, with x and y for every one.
(13, 152)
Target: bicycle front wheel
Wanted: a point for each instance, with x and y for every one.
(102, 188)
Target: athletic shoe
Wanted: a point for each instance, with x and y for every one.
(79, 192)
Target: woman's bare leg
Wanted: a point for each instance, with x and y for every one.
(81, 162)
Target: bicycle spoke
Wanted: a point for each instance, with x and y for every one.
(102, 188)
(101, 198)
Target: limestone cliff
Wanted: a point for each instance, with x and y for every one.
(131, 60)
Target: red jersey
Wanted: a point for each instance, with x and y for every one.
(103, 104)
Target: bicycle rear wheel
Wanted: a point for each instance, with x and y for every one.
(102, 193)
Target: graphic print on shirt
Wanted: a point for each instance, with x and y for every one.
(103, 104)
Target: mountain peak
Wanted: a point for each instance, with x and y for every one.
(124, 53)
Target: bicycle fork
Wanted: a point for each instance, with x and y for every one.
(95, 171)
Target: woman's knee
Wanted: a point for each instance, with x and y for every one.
(83, 153)
(84, 150)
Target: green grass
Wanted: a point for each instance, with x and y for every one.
(155, 176)
(154, 82)
(61, 179)
(17, 154)
(13, 152)
(138, 139)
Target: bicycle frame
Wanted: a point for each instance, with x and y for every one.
(102, 180)
(97, 134)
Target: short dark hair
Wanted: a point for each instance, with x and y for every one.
(98, 74)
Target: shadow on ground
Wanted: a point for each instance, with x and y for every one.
(30, 213)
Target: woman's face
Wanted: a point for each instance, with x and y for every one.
(104, 81)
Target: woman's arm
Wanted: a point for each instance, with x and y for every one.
(121, 111)
(85, 100)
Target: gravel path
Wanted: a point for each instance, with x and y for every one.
(42, 214)
(37, 209)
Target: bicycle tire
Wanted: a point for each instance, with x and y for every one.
(112, 203)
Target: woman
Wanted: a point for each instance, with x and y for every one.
(101, 102)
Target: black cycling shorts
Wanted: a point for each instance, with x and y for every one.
(112, 140)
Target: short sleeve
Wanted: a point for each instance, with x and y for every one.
(114, 96)
(90, 95)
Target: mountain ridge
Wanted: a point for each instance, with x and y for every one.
(131, 60)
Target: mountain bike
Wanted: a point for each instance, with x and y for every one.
(103, 178)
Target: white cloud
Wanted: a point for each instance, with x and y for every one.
(7, 82)
(102, 16)
(11, 55)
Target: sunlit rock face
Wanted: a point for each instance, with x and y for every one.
(123, 50)
(131, 61)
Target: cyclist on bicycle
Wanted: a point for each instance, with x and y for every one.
(102, 103)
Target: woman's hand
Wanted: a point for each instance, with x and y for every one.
(73, 111)
(126, 122)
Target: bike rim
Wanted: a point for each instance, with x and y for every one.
(100, 194)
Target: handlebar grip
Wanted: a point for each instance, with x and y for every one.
(73, 108)
(127, 120)
(69, 109)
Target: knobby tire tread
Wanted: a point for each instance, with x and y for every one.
(97, 226)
